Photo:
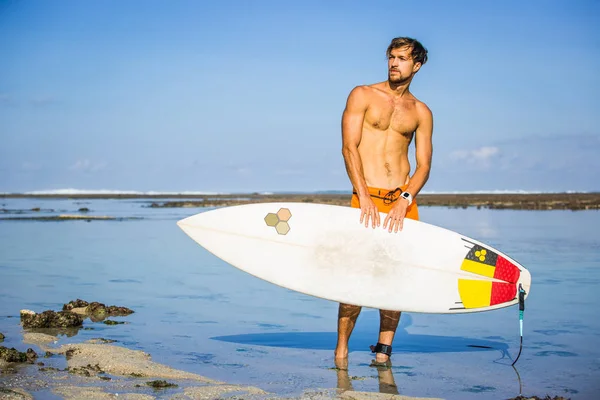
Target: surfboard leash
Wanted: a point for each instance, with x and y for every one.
(522, 294)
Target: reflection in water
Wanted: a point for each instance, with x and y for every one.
(387, 384)
(68, 332)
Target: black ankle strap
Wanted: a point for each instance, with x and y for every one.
(382, 348)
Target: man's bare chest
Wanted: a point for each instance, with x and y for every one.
(390, 115)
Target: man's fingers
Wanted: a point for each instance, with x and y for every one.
(393, 224)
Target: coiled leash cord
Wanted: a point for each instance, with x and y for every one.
(522, 294)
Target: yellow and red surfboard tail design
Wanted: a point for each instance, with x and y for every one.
(483, 293)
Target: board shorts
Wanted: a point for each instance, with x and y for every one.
(385, 199)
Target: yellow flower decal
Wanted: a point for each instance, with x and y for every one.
(481, 254)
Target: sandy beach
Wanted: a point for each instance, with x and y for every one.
(95, 370)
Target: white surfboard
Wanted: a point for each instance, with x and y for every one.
(323, 251)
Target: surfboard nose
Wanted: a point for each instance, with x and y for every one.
(193, 220)
(186, 224)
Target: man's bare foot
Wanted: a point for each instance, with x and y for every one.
(381, 358)
(340, 353)
(341, 363)
(381, 365)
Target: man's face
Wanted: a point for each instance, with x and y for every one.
(401, 66)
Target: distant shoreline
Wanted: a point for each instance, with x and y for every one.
(515, 201)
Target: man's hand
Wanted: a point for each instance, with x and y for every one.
(368, 210)
(395, 217)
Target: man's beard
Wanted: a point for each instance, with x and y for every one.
(396, 79)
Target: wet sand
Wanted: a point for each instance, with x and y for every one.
(95, 370)
(515, 201)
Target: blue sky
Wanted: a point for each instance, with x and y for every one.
(236, 96)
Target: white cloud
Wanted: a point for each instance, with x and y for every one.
(86, 165)
(482, 156)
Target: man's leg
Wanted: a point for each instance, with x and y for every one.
(388, 323)
(388, 320)
(347, 316)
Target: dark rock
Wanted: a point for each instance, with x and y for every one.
(88, 370)
(69, 353)
(1, 337)
(50, 319)
(84, 209)
(31, 356)
(13, 355)
(80, 371)
(75, 304)
(102, 340)
(539, 398)
(36, 209)
(111, 322)
(160, 384)
(100, 311)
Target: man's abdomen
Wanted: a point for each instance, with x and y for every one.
(384, 173)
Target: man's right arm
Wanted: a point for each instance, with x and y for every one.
(352, 126)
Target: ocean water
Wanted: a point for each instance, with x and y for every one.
(195, 312)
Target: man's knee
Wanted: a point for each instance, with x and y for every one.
(348, 311)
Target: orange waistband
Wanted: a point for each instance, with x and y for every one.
(385, 194)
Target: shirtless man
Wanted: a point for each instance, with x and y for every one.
(378, 124)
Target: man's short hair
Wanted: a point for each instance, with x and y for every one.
(418, 52)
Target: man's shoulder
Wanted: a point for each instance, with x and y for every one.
(367, 91)
(422, 108)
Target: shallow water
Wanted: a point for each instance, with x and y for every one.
(197, 313)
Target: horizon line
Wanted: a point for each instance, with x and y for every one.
(71, 191)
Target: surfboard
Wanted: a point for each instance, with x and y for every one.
(324, 251)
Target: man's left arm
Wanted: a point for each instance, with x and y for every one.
(423, 151)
